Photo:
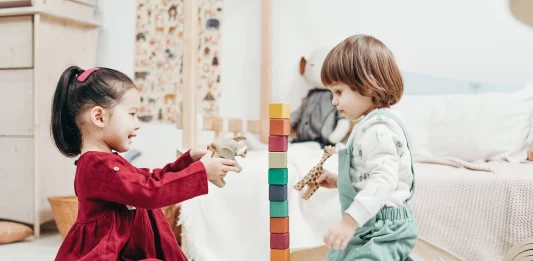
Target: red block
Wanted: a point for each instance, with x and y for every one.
(279, 241)
(278, 143)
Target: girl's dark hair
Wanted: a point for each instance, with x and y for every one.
(103, 87)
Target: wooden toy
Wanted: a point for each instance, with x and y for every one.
(279, 208)
(280, 254)
(279, 240)
(277, 160)
(280, 127)
(279, 224)
(278, 192)
(279, 111)
(278, 143)
(228, 148)
(278, 176)
(313, 174)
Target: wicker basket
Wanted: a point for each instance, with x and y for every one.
(65, 210)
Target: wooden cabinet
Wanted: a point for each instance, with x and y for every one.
(39, 39)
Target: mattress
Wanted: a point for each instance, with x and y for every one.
(474, 215)
(233, 223)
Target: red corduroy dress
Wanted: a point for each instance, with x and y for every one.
(107, 228)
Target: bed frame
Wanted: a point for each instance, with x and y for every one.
(188, 120)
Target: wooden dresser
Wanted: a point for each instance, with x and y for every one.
(38, 40)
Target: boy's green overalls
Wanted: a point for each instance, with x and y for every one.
(391, 234)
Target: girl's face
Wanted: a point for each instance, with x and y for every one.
(350, 103)
(122, 123)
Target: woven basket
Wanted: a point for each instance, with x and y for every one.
(65, 210)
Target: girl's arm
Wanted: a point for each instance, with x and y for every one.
(111, 179)
(382, 164)
(181, 163)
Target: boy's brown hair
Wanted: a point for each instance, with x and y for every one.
(366, 65)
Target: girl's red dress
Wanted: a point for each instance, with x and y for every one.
(106, 229)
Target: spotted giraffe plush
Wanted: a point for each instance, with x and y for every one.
(314, 173)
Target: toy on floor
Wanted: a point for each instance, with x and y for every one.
(228, 148)
(314, 173)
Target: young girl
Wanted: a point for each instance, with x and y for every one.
(376, 177)
(119, 216)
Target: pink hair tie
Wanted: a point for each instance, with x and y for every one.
(86, 74)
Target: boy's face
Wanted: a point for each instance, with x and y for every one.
(350, 103)
(123, 123)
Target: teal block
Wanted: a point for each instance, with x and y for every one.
(279, 208)
(278, 176)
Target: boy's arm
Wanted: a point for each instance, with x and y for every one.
(112, 180)
(382, 164)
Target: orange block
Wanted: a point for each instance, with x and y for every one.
(280, 254)
(279, 224)
(280, 127)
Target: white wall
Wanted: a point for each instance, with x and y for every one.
(462, 39)
(116, 46)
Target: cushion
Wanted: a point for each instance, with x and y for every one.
(490, 126)
(13, 232)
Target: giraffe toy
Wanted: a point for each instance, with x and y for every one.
(313, 174)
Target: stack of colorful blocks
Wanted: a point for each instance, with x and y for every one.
(279, 114)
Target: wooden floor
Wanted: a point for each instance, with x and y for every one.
(423, 251)
(314, 254)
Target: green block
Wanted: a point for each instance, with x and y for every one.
(279, 208)
(278, 176)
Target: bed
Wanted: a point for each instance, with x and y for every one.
(467, 209)
(472, 200)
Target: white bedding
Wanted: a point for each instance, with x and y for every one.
(472, 214)
(232, 223)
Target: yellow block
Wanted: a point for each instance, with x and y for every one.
(277, 160)
(279, 111)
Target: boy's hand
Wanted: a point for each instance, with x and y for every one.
(327, 180)
(217, 168)
(198, 152)
(340, 234)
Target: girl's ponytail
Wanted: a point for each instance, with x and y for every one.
(65, 131)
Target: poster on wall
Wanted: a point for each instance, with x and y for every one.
(159, 58)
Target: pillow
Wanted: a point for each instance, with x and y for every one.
(12, 232)
(490, 126)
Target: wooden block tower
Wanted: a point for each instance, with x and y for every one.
(279, 114)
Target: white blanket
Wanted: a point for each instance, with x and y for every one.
(233, 223)
(474, 215)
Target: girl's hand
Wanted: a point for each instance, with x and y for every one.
(217, 168)
(327, 180)
(340, 234)
(198, 152)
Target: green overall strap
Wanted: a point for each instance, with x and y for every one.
(407, 138)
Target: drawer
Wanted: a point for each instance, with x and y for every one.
(16, 175)
(16, 101)
(79, 9)
(14, 3)
(16, 44)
